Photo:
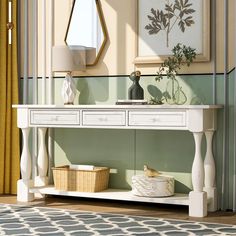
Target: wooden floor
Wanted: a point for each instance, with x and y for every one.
(120, 207)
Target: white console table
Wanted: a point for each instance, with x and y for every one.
(198, 119)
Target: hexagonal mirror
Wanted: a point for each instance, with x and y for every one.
(86, 28)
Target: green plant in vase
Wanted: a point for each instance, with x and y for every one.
(182, 55)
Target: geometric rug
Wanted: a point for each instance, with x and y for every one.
(27, 220)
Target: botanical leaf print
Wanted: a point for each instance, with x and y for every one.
(176, 13)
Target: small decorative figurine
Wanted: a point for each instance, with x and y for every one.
(149, 172)
(135, 91)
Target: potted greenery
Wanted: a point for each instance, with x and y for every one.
(182, 55)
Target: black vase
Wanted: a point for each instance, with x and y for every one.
(135, 91)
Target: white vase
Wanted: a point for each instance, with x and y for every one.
(68, 90)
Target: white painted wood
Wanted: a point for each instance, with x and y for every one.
(157, 118)
(136, 107)
(42, 155)
(212, 199)
(209, 167)
(195, 120)
(42, 178)
(199, 119)
(115, 194)
(25, 161)
(209, 163)
(197, 198)
(57, 117)
(197, 204)
(23, 118)
(104, 118)
(23, 190)
(197, 168)
(24, 184)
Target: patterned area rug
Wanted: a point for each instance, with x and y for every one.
(25, 220)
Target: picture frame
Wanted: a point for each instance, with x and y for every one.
(158, 29)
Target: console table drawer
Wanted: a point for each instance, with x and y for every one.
(168, 119)
(103, 118)
(54, 117)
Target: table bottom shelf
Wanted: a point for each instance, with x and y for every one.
(115, 194)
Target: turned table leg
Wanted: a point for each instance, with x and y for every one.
(42, 179)
(197, 198)
(209, 166)
(24, 184)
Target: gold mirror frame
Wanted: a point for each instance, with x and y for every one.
(103, 27)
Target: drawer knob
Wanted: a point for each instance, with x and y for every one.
(102, 119)
(55, 118)
(154, 120)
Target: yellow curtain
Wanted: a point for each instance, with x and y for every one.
(9, 133)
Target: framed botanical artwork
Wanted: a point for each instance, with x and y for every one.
(161, 24)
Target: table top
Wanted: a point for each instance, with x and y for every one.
(94, 106)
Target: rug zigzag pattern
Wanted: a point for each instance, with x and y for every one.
(25, 220)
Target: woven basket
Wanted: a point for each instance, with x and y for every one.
(81, 180)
